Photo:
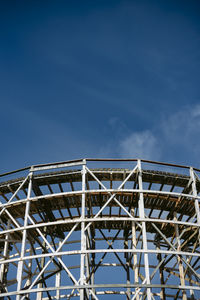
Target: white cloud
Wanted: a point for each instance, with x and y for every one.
(183, 127)
(195, 112)
(176, 139)
(181, 132)
(140, 145)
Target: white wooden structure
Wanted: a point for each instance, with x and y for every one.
(98, 229)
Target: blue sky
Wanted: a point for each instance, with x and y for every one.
(99, 79)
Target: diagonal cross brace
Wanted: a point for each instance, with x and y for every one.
(54, 252)
(112, 197)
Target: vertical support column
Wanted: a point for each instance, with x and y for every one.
(90, 265)
(58, 278)
(83, 237)
(21, 262)
(4, 267)
(42, 264)
(58, 285)
(180, 263)
(144, 234)
(93, 259)
(87, 257)
(135, 264)
(30, 268)
(196, 204)
(128, 292)
(162, 281)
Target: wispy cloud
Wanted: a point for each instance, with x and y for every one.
(140, 145)
(181, 132)
(175, 139)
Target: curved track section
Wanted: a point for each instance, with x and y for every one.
(98, 229)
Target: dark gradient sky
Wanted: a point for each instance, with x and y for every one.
(99, 79)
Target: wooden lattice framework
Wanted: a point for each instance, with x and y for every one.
(97, 229)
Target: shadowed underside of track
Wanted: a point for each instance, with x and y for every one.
(50, 206)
